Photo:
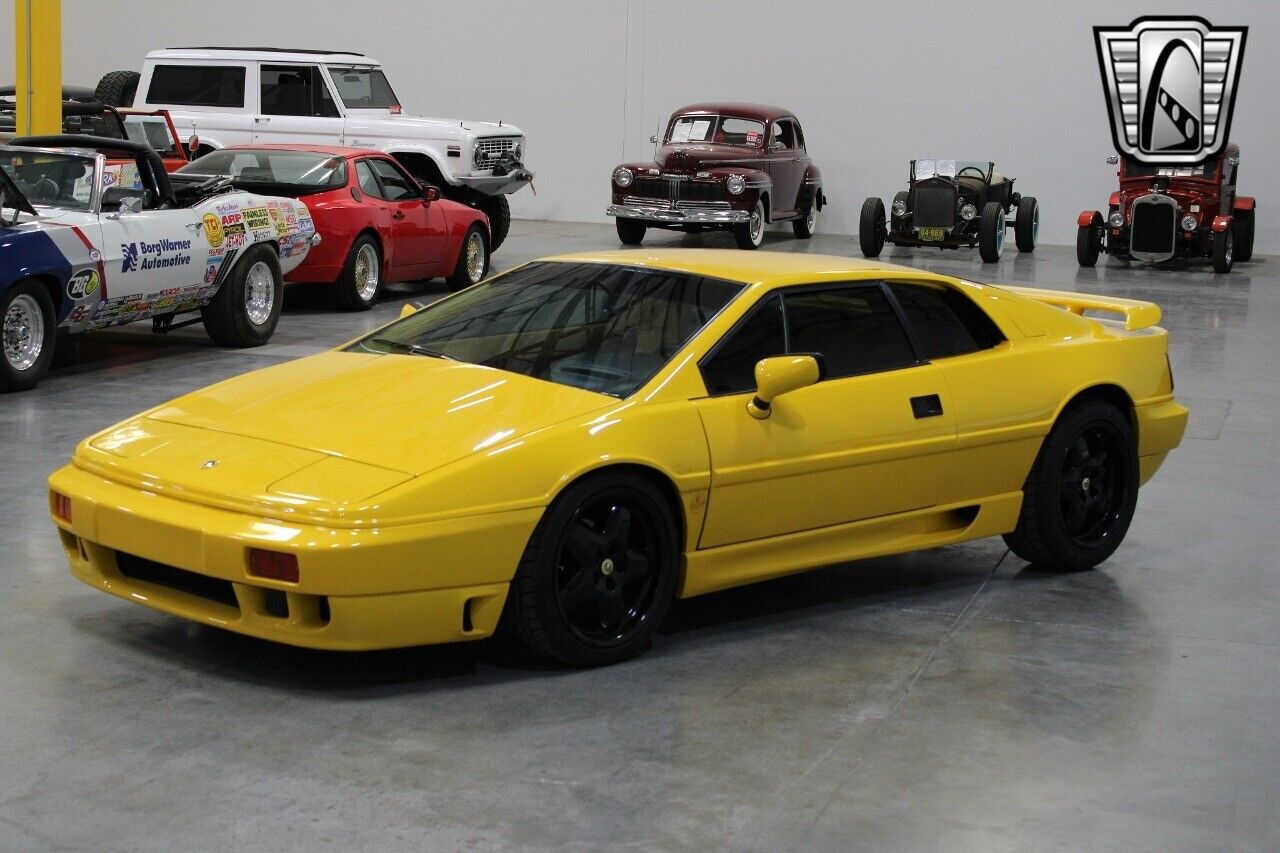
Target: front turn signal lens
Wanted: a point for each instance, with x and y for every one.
(273, 565)
(62, 507)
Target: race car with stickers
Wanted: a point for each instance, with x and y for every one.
(82, 251)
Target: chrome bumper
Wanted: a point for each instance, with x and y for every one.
(680, 215)
(496, 184)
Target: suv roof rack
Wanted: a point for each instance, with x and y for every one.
(270, 50)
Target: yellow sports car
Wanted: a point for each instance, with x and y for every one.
(567, 447)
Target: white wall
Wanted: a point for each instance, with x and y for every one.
(873, 83)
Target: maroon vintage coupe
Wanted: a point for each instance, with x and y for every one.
(721, 166)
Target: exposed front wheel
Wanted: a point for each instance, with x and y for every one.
(473, 260)
(1088, 244)
(357, 286)
(1224, 249)
(750, 234)
(598, 574)
(27, 336)
(630, 231)
(871, 228)
(245, 310)
(1026, 225)
(1080, 496)
(991, 232)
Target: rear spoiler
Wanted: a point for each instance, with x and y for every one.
(1136, 314)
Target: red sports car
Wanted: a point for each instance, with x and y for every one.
(377, 223)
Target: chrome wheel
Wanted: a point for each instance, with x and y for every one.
(1035, 225)
(756, 227)
(811, 221)
(23, 332)
(474, 257)
(367, 272)
(259, 293)
(1229, 252)
(1000, 229)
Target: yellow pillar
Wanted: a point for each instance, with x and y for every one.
(38, 37)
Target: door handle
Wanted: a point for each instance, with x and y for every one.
(928, 406)
(261, 120)
(399, 214)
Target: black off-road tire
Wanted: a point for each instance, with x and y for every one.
(226, 318)
(871, 228)
(346, 294)
(1026, 224)
(1244, 238)
(117, 88)
(1041, 537)
(498, 209)
(534, 614)
(991, 232)
(630, 231)
(1224, 250)
(461, 276)
(12, 378)
(1088, 245)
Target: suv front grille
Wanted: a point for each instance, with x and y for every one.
(933, 205)
(495, 145)
(1153, 223)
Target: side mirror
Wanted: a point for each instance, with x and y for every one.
(193, 145)
(780, 375)
(132, 204)
(1113, 159)
(1233, 161)
(430, 192)
(407, 309)
(653, 137)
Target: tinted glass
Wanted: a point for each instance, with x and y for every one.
(368, 183)
(295, 90)
(600, 327)
(731, 367)
(197, 85)
(946, 322)
(363, 88)
(853, 328)
(396, 185)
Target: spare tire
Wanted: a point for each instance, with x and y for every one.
(118, 88)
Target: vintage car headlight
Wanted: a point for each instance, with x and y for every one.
(623, 176)
(967, 212)
(1116, 219)
(1189, 223)
(735, 184)
(899, 208)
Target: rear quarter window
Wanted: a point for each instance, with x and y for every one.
(197, 85)
(945, 321)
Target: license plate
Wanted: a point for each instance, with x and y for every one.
(931, 235)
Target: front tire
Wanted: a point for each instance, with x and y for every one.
(1026, 225)
(750, 234)
(991, 232)
(357, 287)
(1224, 249)
(498, 209)
(1088, 245)
(871, 229)
(1080, 496)
(26, 336)
(473, 260)
(245, 310)
(598, 574)
(630, 231)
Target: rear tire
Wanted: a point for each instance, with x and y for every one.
(1080, 495)
(1026, 228)
(991, 233)
(871, 228)
(357, 287)
(28, 329)
(117, 88)
(245, 310)
(630, 231)
(473, 260)
(598, 574)
(1224, 249)
(804, 227)
(498, 209)
(1088, 245)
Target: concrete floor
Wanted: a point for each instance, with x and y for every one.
(952, 699)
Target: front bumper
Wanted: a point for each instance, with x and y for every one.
(496, 184)
(373, 588)
(680, 216)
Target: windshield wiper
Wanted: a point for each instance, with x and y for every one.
(415, 349)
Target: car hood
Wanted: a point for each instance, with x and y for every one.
(689, 158)
(386, 123)
(405, 413)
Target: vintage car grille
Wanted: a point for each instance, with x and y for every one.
(933, 205)
(704, 205)
(1154, 218)
(495, 145)
(674, 190)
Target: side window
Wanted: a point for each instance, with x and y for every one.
(396, 185)
(854, 328)
(197, 85)
(799, 134)
(295, 90)
(782, 133)
(368, 183)
(731, 366)
(946, 322)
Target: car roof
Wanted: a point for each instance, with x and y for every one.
(763, 112)
(331, 150)
(767, 268)
(253, 53)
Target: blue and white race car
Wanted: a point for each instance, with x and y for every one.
(81, 248)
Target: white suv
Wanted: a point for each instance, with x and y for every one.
(239, 96)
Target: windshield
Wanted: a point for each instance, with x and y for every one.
(363, 88)
(304, 170)
(1134, 169)
(153, 131)
(51, 180)
(600, 327)
(931, 167)
(722, 130)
